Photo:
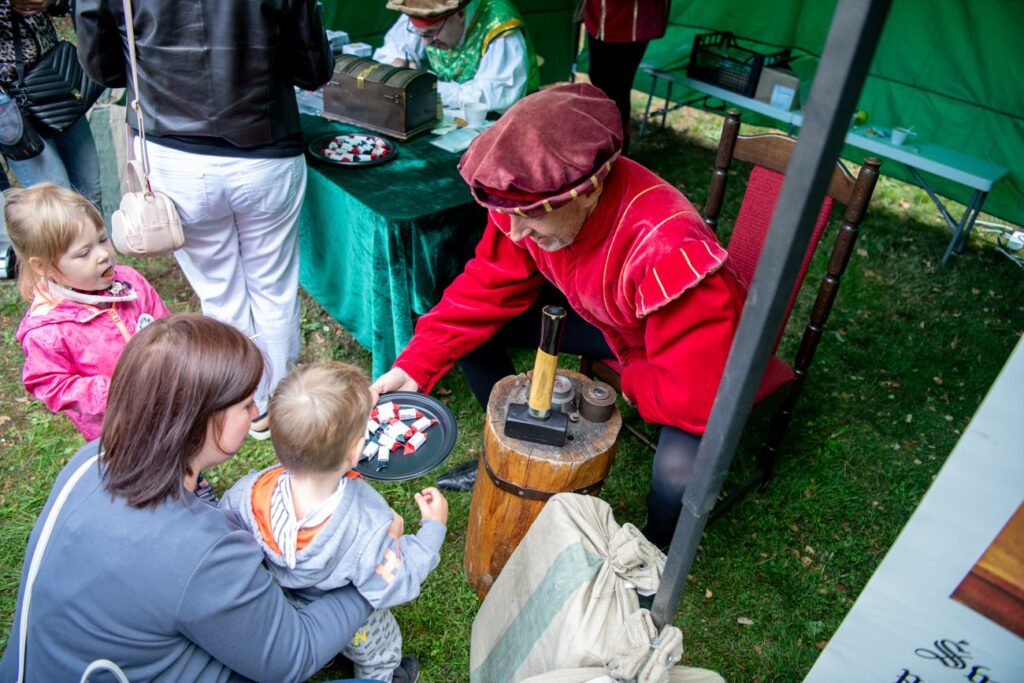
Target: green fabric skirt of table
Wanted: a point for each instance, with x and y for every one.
(380, 243)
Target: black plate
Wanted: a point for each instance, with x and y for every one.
(441, 440)
(321, 142)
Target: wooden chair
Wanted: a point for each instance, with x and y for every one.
(782, 382)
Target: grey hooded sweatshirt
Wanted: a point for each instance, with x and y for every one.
(350, 548)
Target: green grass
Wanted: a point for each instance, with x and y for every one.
(909, 353)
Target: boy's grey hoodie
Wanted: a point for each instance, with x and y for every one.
(352, 545)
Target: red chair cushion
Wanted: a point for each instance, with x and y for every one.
(777, 374)
(751, 228)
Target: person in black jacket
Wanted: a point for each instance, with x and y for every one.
(69, 158)
(216, 85)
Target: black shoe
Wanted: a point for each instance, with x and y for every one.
(459, 478)
(408, 670)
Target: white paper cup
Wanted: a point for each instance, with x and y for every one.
(900, 135)
(475, 113)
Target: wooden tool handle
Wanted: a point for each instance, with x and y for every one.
(546, 364)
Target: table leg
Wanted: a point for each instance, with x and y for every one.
(647, 109)
(960, 233)
(975, 209)
(668, 101)
(961, 229)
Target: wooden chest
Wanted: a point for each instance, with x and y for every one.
(388, 99)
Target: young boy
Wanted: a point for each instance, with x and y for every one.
(321, 527)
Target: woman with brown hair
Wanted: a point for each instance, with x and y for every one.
(124, 564)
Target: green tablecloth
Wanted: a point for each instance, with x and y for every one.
(380, 243)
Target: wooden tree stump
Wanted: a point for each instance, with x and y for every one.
(515, 478)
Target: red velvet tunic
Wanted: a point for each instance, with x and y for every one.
(626, 21)
(645, 270)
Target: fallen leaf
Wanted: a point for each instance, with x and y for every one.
(821, 644)
(806, 561)
(4, 419)
(23, 399)
(745, 621)
(862, 252)
(708, 594)
(441, 391)
(757, 649)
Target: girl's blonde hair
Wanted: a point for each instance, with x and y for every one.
(43, 221)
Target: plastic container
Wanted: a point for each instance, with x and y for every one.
(717, 58)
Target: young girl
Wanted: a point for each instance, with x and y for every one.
(83, 309)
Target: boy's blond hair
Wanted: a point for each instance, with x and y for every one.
(42, 222)
(316, 414)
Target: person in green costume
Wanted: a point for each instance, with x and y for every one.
(479, 49)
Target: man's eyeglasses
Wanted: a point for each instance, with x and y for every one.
(430, 36)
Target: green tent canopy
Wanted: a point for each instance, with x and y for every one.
(950, 68)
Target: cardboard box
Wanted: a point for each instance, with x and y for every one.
(779, 88)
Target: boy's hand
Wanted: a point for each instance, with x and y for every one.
(432, 505)
(397, 527)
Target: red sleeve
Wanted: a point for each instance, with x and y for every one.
(687, 343)
(499, 282)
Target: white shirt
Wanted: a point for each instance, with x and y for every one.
(500, 79)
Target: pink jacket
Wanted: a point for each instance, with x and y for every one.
(71, 349)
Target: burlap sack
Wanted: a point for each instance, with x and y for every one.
(565, 607)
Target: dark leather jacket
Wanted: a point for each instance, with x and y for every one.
(209, 68)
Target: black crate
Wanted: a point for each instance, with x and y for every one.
(718, 59)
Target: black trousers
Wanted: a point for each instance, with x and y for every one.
(677, 449)
(612, 69)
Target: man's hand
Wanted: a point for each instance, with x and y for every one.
(395, 379)
(28, 8)
(432, 505)
(406, 63)
(397, 527)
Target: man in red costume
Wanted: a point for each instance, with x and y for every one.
(645, 280)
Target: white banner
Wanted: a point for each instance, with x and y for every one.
(947, 602)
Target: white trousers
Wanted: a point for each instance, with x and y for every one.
(241, 253)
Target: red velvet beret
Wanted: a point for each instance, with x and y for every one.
(548, 148)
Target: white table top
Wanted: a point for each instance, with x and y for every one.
(965, 169)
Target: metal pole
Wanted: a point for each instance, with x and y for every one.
(849, 47)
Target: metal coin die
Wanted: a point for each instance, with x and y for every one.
(594, 401)
(597, 402)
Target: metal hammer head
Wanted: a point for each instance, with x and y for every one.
(520, 424)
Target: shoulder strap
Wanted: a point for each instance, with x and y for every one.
(136, 105)
(37, 558)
